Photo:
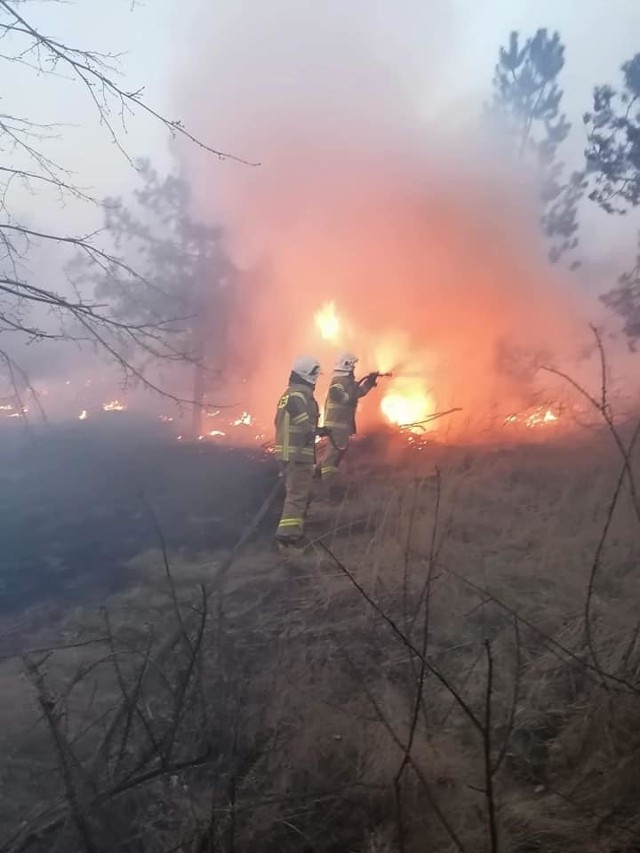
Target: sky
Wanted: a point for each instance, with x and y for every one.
(155, 38)
(191, 57)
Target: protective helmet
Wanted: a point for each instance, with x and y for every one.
(346, 363)
(308, 368)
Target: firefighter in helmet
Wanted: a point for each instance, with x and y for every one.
(340, 410)
(296, 424)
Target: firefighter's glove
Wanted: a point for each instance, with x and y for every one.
(324, 432)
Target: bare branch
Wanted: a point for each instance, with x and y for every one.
(405, 640)
(488, 763)
(91, 68)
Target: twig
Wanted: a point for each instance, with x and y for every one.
(406, 641)
(417, 704)
(514, 702)
(488, 765)
(585, 665)
(85, 65)
(168, 574)
(433, 417)
(52, 716)
(598, 555)
(433, 801)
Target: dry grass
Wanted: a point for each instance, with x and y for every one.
(309, 691)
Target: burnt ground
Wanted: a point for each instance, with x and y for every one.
(78, 500)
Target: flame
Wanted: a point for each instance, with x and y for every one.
(327, 322)
(113, 406)
(245, 419)
(547, 418)
(13, 412)
(83, 415)
(407, 404)
(541, 416)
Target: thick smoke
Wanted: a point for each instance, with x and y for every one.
(428, 245)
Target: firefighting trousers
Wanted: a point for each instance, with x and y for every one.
(332, 457)
(298, 482)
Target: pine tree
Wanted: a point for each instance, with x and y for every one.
(613, 169)
(527, 101)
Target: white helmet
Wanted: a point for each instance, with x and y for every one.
(308, 368)
(345, 363)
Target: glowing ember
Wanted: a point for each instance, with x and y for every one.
(547, 418)
(327, 322)
(406, 406)
(6, 408)
(166, 419)
(113, 406)
(83, 415)
(245, 419)
(215, 432)
(541, 416)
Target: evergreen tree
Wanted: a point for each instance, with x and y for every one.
(527, 100)
(613, 168)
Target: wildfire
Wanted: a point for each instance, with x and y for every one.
(406, 406)
(113, 406)
(328, 322)
(12, 412)
(245, 419)
(542, 416)
(215, 433)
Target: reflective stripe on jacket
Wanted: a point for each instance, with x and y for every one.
(296, 423)
(341, 404)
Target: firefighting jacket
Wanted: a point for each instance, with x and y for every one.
(342, 402)
(296, 423)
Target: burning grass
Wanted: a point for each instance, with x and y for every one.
(301, 725)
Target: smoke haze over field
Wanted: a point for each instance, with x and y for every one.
(428, 245)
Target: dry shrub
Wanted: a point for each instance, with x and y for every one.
(306, 688)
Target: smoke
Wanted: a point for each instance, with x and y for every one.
(377, 194)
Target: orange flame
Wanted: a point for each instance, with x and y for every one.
(542, 416)
(407, 404)
(328, 322)
(113, 406)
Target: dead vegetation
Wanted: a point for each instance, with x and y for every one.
(454, 667)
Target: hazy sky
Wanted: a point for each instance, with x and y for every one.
(444, 51)
(155, 40)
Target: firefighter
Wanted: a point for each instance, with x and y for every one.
(296, 424)
(340, 411)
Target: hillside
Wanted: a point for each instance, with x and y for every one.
(424, 678)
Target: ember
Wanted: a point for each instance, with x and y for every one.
(541, 416)
(245, 419)
(113, 406)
